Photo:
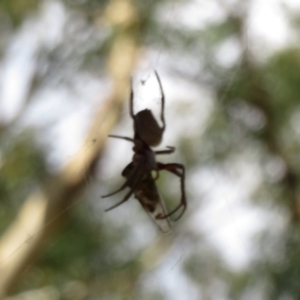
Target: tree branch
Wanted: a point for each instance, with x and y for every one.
(47, 209)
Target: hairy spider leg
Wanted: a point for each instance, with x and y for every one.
(173, 168)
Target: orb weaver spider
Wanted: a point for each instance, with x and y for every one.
(138, 172)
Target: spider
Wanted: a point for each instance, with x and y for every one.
(139, 179)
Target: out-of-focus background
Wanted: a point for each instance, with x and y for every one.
(231, 76)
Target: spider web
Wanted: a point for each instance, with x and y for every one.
(156, 65)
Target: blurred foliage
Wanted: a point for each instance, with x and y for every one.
(83, 253)
(14, 12)
(256, 110)
(22, 168)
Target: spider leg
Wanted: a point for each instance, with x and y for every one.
(117, 191)
(162, 112)
(128, 183)
(174, 168)
(171, 150)
(122, 137)
(122, 201)
(132, 181)
(131, 100)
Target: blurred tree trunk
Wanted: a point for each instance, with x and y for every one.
(47, 209)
